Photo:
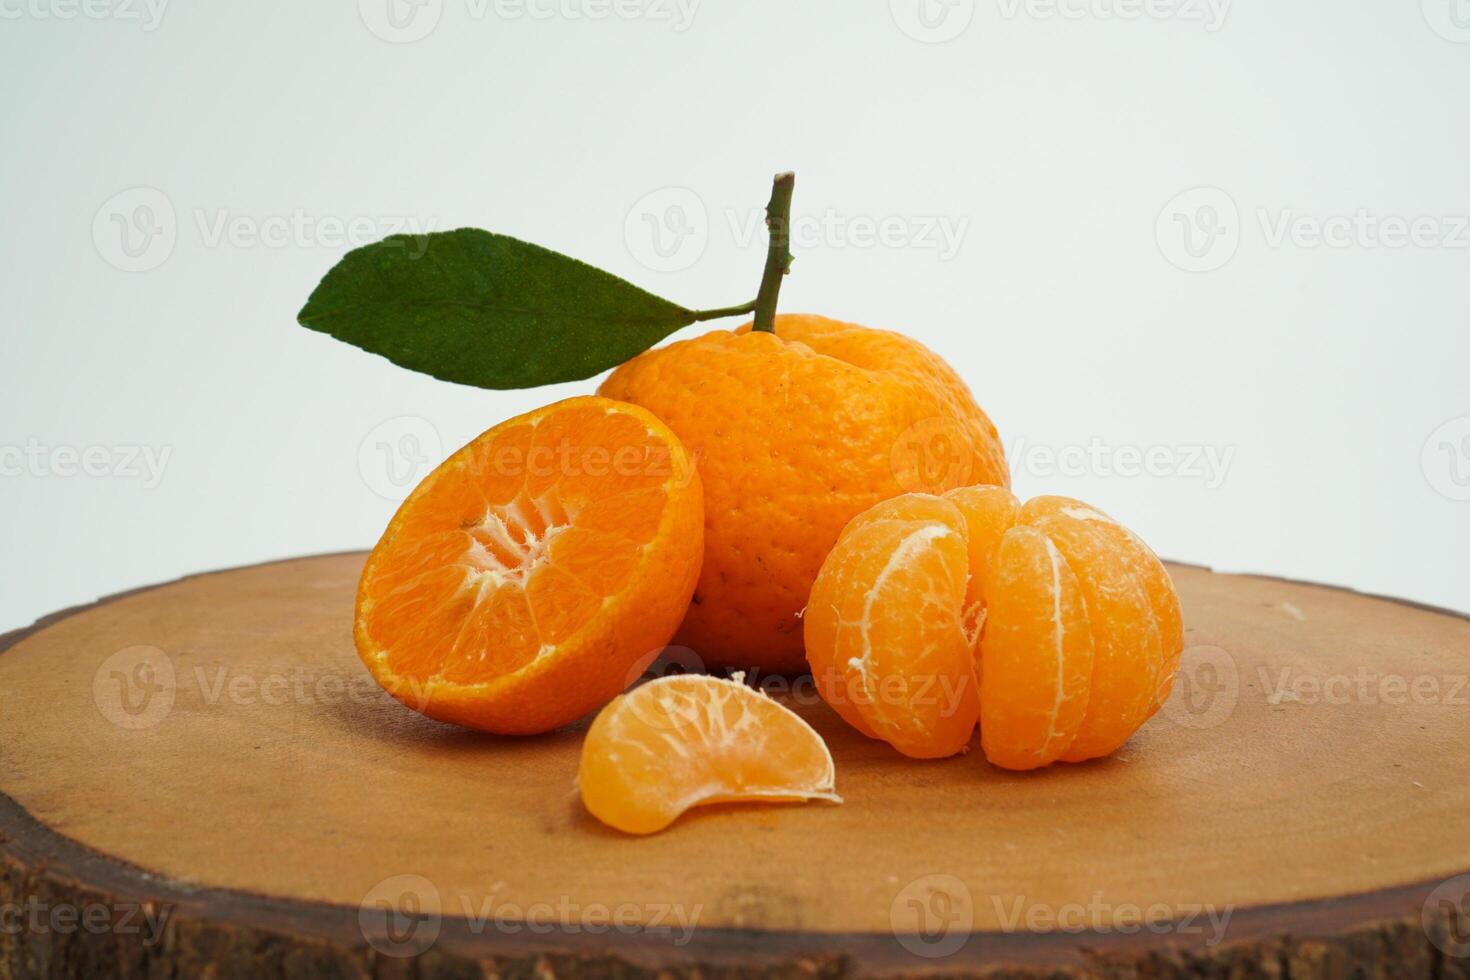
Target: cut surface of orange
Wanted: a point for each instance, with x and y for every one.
(528, 579)
(1064, 621)
(690, 740)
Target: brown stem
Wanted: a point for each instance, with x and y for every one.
(778, 255)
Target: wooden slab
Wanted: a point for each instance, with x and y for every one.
(212, 751)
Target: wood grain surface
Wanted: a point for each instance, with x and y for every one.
(208, 761)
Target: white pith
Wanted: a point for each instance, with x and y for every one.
(1056, 614)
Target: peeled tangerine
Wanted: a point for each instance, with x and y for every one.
(688, 740)
(1050, 624)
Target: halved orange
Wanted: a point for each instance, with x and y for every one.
(528, 579)
(688, 740)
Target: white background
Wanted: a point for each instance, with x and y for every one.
(1329, 384)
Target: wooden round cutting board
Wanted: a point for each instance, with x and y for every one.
(199, 779)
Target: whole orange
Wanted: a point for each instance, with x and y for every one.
(794, 433)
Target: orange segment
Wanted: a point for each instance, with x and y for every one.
(1152, 575)
(1037, 653)
(886, 631)
(524, 581)
(499, 635)
(600, 561)
(1128, 649)
(426, 609)
(989, 512)
(689, 740)
(498, 466)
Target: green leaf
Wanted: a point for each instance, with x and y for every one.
(482, 309)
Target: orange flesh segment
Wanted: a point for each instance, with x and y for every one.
(689, 740)
(886, 628)
(1128, 648)
(988, 512)
(1037, 652)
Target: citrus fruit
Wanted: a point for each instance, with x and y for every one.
(526, 580)
(1050, 624)
(795, 432)
(688, 740)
